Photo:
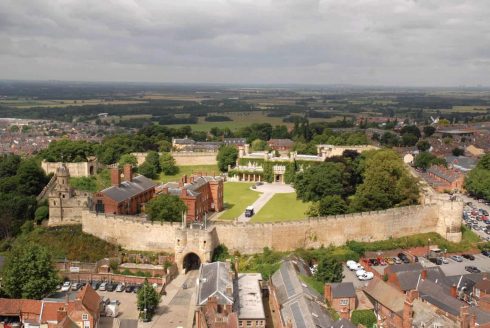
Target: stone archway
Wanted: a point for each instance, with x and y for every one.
(191, 261)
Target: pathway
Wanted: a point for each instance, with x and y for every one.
(257, 205)
(176, 308)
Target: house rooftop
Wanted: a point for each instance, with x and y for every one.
(129, 189)
(214, 280)
(343, 289)
(250, 297)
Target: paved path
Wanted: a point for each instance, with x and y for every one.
(176, 308)
(257, 205)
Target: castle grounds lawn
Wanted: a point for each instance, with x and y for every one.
(189, 170)
(282, 207)
(237, 197)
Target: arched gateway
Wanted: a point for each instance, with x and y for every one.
(194, 245)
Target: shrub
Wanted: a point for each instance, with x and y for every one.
(364, 317)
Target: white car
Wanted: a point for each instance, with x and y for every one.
(103, 286)
(367, 276)
(66, 286)
(360, 272)
(354, 266)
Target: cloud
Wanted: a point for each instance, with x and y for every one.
(389, 42)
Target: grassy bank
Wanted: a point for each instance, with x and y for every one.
(237, 196)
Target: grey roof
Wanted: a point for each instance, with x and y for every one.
(443, 173)
(408, 279)
(299, 303)
(128, 189)
(213, 280)
(462, 162)
(183, 141)
(249, 302)
(343, 289)
(175, 189)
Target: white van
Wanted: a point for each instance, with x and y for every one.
(249, 211)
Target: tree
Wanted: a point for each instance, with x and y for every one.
(423, 145)
(227, 155)
(429, 130)
(220, 253)
(165, 208)
(329, 270)
(425, 160)
(153, 159)
(259, 145)
(412, 129)
(409, 139)
(332, 205)
(458, 151)
(9, 165)
(29, 273)
(148, 170)
(147, 301)
(67, 150)
(31, 178)
(167, 164)
(41, 213)
(128, 159)
(319, 181)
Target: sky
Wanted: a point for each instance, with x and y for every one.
(359, 42)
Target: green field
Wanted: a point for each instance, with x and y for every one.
(237, 197)
(282, 207)
(189, 170)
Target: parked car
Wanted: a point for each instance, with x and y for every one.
(397, 260)
(76, 286)
(354, 266)
(381, 261)
(468, 257)
(444, 260)
(129, 289)
(249, 211)
(95, 285)
(486, 253)
(360, 272)
(103, 287)
(367, 276)
(110, 287)
(436, 260)
(136, 288)
(389, 260)
(120, 288)
(472, 269)
(66, 286)
(457, 258)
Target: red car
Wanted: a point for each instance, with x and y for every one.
(381, 261)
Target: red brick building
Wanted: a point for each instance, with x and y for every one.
(200, 193)
(127, 196)
(82, 312)
(341, 297)
(281, 144)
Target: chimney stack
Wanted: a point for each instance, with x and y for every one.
(464, 316)
(423, 274)
(408, 308)
(454, 291)
(128, 172)
(115, 176)
(327, 292)
(61, 314)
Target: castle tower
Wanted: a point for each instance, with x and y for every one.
(57, 196)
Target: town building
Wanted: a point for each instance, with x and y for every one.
(127, 196)
(444, 179)
(280, 144)
(200, 193)
(341, 297)
(461, 163)
(81, 312)
(226, 299)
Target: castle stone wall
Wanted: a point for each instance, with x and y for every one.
(251, 238)
(81, 169)
(185, 158)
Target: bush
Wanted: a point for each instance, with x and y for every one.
(41, 213)
(364, 317)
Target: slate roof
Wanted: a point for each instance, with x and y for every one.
(462, 162)
(404, 267)
(444, 173)
(213, 281)
(299, 303)
(129, 189)
(408, 279)
(175, 189)
(343, 289)
(280, 142)
(343, 323)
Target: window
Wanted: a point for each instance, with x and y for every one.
(344, 301)
(84, 317)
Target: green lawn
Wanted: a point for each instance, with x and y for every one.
(237, 197)
(189, 170)
(282, 207)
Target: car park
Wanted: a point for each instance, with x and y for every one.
(472, 269)
(468, 257)
(66, 286)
